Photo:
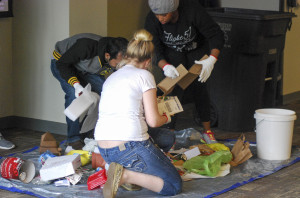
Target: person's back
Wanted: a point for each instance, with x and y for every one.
(65, 44)
(128, 85)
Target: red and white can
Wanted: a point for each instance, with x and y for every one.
(16, 168)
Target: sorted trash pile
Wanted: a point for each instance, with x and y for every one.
(193, 159)
(199, 160)
(61, 170)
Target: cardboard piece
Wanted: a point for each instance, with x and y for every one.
(204, 149)
(58, 167)
(184, 79)
(169, 104)
(48, 142)
(191, 153)
(167, 84)
(240, 151)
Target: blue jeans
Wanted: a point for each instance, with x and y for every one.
(145, 157)
(96, 82)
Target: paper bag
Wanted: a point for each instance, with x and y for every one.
(240, 151)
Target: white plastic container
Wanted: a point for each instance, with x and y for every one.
(274, 133)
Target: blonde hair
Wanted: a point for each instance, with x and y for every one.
(139, 49)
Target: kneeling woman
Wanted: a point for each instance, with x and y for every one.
(128, 103)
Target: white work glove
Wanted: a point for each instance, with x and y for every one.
(170, 71)
(168, 116)
(207, 67)
(78, 89)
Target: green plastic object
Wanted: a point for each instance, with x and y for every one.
(208, 165)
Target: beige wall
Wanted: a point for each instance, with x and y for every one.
(37, 25)
(88, 16)
(6, 89)
(291, 76)
(125, 17)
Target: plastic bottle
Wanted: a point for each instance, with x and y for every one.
(208, 165)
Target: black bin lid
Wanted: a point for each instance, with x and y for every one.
(239, 13)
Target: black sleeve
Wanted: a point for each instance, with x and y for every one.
(153, 26)
(207, 26)
(83, 49)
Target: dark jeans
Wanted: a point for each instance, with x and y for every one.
(162, 137)
(197, 91)
(96, 82)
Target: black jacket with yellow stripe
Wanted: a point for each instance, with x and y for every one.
(81, 52)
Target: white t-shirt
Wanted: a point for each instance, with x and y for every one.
(121, 111)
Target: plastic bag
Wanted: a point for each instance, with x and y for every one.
(218, 147)
(208, 165)
(85, 156)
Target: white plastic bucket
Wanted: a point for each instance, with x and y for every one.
(274, 133)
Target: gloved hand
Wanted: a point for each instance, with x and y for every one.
(78, 89)
(168, 116)
(207, 67)
(170, 71)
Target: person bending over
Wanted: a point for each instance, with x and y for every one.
(82, 59)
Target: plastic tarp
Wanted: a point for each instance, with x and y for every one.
(247, 172)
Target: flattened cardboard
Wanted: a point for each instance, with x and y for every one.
(184, 80)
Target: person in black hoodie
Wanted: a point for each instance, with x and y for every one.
(82, 59)
(183, 33)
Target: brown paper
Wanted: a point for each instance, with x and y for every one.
(240, 151)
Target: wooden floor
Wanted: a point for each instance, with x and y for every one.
(284, 183)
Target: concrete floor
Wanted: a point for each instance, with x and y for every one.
(284, 183)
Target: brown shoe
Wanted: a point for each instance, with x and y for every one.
(114, 175)
(131, 187)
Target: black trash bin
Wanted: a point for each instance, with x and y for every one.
(248, 74)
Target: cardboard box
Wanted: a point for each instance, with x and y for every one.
(48, 142)
(184, 79)
(170, 104)
(58, 167)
